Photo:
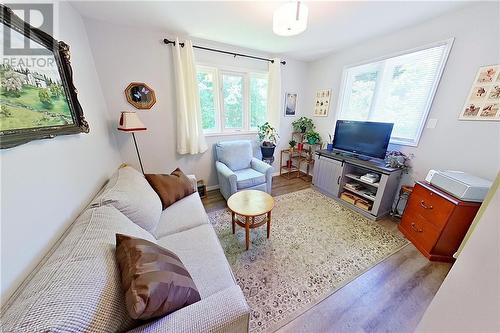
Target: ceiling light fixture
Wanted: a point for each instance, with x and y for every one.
(290, 19)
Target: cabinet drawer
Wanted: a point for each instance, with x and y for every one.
(430, 206)
(420, 231)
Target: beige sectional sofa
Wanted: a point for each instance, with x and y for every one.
(76, 288)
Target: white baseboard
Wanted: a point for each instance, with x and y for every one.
(213, 187)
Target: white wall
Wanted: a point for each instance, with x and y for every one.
(124, 54)
(469, 298)
(464, 145)
(46, 183)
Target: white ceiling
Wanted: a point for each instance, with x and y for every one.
(332, 25)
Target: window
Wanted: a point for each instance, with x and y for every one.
(399, 90)
(258, 100)
(232, 94)
(206, 86)
(231, 101)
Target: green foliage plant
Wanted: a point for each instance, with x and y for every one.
(303, 124)
(268, 135)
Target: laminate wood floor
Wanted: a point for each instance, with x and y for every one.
(390, 297)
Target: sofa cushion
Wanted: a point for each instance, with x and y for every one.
(133, 196)
(246, 178)
(77, 288)
(182, 215)
(155, 281)
(170, 188)
(202, 255)
(236, 155)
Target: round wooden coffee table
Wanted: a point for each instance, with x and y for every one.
(250, 204)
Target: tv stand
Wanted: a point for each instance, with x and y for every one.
(361, 157)
(333, 170)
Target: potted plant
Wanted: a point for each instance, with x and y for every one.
(292, 143)
(329, 145)
(268, 136)
(313, 137)
(303, 124)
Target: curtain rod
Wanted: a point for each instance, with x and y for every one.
(166, 41)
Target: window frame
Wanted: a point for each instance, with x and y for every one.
(219, 71)
(379, 62)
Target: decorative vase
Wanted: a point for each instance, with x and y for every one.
(329, 146)
(300, 146)
(267, 151)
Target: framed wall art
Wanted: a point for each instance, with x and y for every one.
(140, 95)
(322, 102)
(38, 98)
(483, 100)
(290, 104)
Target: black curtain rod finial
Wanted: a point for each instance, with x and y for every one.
(283, 62)
(166, 41)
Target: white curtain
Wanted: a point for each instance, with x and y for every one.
(190, 138)
(274, 94)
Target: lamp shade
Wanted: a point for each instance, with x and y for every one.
(290, 19)
(130, 122)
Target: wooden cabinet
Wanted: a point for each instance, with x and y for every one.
(436, 222)
(327, 174)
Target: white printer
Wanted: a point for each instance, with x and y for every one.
(459, 184)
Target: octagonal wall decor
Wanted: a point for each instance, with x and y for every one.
(140, 95)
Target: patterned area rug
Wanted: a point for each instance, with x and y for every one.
(316, 247)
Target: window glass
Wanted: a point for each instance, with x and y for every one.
(207, 99)
(397, 90)
(258, 101)
(232, 91)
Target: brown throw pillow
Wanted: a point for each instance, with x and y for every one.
(154, 279)
(171, 188)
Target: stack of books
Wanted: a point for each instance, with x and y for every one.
(354, 186)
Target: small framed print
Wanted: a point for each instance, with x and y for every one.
(290, 104)
(483, 101)
(322, 102)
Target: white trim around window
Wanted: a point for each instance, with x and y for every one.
(380, 66)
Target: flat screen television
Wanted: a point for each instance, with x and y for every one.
(362, 137)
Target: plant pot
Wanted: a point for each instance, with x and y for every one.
(312, 141)
(303, 129)
(267, 151)
(300, 146)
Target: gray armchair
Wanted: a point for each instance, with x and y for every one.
(238, 170)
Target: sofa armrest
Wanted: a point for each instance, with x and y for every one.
(194, 183)
(227, 179)
(225, 311)
(261, 167)
(266, 169)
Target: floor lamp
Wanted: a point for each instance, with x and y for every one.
(130, 122)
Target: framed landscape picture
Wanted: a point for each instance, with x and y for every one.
(483, 100)
(38, 98)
